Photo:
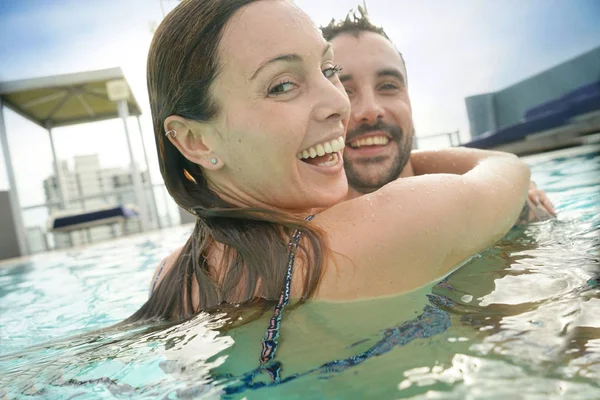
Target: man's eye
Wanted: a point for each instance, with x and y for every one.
(281, 88)
(388, 86)
(332, 71)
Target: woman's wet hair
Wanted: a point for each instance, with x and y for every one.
(183, 63)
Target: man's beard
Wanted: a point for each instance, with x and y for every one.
(367, 184)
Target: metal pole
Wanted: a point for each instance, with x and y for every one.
(166, 201)
(62, 195)
(149, 176)
(137, 182)
(451, 138)
(15, 204)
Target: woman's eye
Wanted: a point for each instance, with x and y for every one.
(281, 88)
(332, 71)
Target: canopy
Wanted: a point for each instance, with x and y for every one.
(62, 100)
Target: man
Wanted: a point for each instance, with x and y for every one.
(380, 130)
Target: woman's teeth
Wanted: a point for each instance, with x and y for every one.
(370, 141)
(321, 149)
(333, 160)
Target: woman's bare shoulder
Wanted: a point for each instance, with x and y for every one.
(163, 267)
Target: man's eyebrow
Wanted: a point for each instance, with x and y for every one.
(391, 72)
(286, 58)
(346, 77)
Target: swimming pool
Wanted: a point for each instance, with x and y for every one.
(522, 320)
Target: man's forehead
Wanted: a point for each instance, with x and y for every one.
(369, 51)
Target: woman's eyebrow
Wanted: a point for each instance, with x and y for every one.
(283, 57)
(286, 58)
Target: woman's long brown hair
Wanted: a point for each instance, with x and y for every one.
(182, 65)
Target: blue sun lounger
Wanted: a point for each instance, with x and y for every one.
(93, 218)
(553, 114)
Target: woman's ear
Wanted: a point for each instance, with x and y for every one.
(189, 137)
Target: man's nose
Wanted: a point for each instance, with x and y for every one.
(366, 109)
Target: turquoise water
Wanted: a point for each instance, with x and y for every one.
(522, 320)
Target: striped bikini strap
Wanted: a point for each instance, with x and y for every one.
(270, 340)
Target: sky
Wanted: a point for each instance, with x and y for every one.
(452, 50)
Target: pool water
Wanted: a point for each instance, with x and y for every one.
(521, 320)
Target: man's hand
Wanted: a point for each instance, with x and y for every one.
(538, 206)
(540, 199)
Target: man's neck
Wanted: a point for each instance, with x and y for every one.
(406, 172)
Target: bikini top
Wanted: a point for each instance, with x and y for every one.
(270, 340)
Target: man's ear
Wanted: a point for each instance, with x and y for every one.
(189, 137)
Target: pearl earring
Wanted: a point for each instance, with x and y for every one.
(213, 161)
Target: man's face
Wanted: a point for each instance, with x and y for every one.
(379, 137)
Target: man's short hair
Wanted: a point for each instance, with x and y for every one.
(354, 24)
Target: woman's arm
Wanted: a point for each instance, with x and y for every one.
(417, 229)
(458, 160)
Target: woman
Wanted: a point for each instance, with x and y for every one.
(249, 118)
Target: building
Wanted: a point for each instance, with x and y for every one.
(497, 110)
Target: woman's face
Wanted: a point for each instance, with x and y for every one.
(280, 100)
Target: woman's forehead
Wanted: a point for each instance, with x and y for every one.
(267, 29)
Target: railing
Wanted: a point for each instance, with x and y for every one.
(162, 210)
(452, 138)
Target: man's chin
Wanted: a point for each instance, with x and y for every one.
(368, 184)
(368, 175)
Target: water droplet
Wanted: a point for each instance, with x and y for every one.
(467, 298)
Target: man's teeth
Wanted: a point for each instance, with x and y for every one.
(370, 141)
(322, 148)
